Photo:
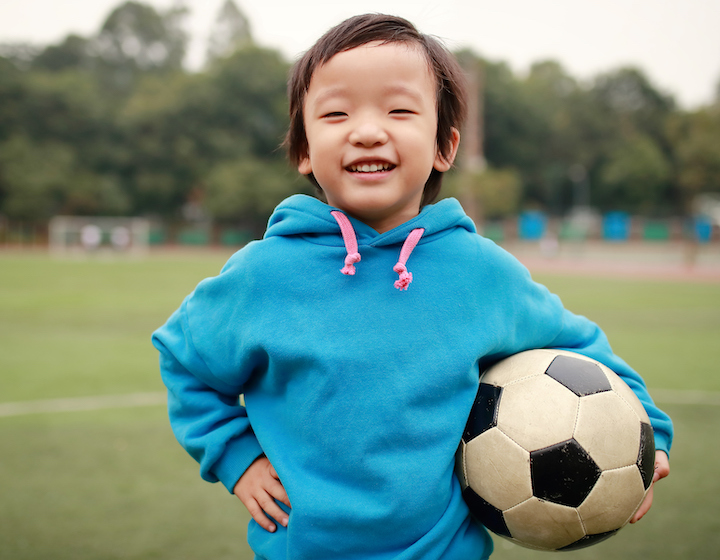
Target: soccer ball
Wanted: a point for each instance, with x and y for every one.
(558, 452)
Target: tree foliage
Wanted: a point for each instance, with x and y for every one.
(696, 139)
(230, 32)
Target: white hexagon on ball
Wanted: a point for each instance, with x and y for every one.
(499, 469)
(535, 422)
(610, 449)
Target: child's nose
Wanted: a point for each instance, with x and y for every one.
(368, 134)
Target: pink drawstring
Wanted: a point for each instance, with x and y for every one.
(348, 235)
(406, 277)
(351, 246)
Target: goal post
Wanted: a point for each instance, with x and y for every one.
(98, 234)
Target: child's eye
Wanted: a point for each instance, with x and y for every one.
(334, 115)
(401, 112)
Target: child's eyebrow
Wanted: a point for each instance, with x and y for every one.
(399, 89)
(330, 93)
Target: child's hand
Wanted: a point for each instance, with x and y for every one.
(662, 469)
(258, 488)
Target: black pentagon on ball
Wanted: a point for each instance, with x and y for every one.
(563, 473)
(580, 376)
(588, 540)
(483, 415)
(486, 513)
(646, 456)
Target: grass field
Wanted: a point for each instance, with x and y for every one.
(114, 484)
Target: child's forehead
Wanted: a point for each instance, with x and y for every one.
(377, 56)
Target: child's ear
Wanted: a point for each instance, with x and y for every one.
(443, 163)
(305, 167)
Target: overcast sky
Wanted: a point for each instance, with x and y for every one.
(675, 42)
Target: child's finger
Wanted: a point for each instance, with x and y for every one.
(645, 506)
(662, 466)
(270, 507)
(278, 492)
(257, 513)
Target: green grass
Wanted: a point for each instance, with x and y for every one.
(82, 327)
(114, 484)
(109, 485)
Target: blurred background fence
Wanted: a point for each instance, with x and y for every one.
(614, 227)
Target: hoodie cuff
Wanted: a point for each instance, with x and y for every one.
(239, 455)
(662, 442)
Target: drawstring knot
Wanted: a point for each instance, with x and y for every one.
(351, 246)
(406, 277)
(350, 260)
(403, 282)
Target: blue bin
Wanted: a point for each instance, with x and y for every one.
(702, 227)
(532, 225)
(616, 226)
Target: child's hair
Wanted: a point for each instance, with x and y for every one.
(368, 28)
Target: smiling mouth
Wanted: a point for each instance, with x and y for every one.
(370, 167)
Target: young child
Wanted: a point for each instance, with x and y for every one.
(356, 329)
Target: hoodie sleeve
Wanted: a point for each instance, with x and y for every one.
(205, 413)
(541, 321)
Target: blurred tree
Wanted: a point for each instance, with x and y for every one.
(541, 125)
(230, 32)
(498, 191)
(249, 98)
(162, 164)
(246, 191)
(57, 145)
(73, 53)
(636, 114)
(183, 128)
(554, 97)
(513, 126)
(12, 96)
(20, 54)
(136, 39)
(629, 100)
(39, 180)
(635, 177)
(32, 176)
(696, 140)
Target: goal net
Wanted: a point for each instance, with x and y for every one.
(87, 234)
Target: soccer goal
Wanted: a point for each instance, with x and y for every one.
(87, 234)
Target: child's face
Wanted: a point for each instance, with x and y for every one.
(371, 125)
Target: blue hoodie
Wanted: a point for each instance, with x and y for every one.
(358, 384)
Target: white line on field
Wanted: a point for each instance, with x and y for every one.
(78, 404)
(103, 402)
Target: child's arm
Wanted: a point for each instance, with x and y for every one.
(258, 488)
(205, 413)
(538, 320)
(662, 469)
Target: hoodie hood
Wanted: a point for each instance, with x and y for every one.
(315, 221)
(311, 218)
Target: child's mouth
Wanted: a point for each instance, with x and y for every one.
(370, 167)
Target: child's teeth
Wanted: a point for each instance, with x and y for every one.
(369, 168)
